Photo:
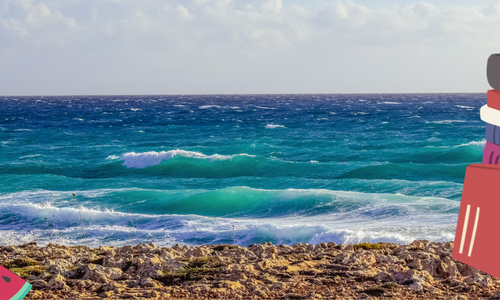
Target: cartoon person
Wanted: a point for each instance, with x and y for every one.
(12, 287)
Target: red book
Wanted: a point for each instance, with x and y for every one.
(493, 99)
(12, 287)
(477, 226)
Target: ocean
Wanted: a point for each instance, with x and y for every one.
(235, 169)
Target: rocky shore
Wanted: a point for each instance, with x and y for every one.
(420, 270)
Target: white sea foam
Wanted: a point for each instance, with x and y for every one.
(447, 121)
(463, 106)
(208, 106)
(478, 143)
(272, 126)
(389, 102)
(153, 158)
(414, 220)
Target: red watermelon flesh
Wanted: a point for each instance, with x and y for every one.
(10, 284)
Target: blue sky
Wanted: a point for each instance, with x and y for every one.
(67, 47)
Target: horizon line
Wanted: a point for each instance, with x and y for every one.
(233, 94)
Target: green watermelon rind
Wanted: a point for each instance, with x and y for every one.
(22, 292)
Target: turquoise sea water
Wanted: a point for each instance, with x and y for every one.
(235, 168)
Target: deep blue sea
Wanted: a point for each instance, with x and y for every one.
(242, 169)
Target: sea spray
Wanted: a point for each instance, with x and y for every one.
(14, 232)
(81, 221)
(135, 229)
(58, 230)
(49, 239)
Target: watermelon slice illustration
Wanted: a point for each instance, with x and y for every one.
(12, 287)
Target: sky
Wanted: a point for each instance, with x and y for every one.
(105, 47)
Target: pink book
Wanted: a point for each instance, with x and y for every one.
(491, 154)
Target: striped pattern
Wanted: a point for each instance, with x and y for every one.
(491, 154)
(493, 134)
(464, 230)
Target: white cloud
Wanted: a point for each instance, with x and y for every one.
(258, 45)
(272, 5)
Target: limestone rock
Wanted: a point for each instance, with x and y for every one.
(414, 278)
(38, 284)
(148, 282)
(98, 273)
(113, 286)
(57, 282)
(383, 276)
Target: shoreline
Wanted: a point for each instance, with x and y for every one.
(419, 270)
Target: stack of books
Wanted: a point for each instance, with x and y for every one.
(478, 226)
(490, 113)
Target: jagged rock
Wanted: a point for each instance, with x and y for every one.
(388, 259)
(113, 286)
(202, 251)
(148, 266)
(31, 278)
(416, 264)
(279, 285)
(83, 285)
(44, 276)
(116, 262)
(431, 266)
(383, 276)
(148, 282)
(292, 296)
(417, 245)
(232, 285)
(367, 273)
(496, 294)
(56, 269)
(106, 295)
(259, 271)
(199, 288)
(38, 284)
(126, 249)
(396, 268)
(147, 248)
(363, 296)
(484, 280)
(466, 270)
(257, 293)
(107, 251)
(98, 273)
(414, 278)
(57, 282)
(153, 295)
(447, 268)
(454, 280)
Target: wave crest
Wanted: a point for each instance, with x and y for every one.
(153, 158)
(272, 126)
